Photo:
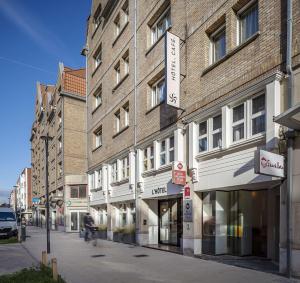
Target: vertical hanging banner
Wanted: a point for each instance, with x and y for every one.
(172, 69)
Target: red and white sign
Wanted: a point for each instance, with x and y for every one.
(187, 192)
(268, 163)
(179, 173)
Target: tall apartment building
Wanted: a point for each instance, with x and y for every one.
(233, 82)
(60, 114)
(23, 193)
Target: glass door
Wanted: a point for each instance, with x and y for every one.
(170, 214)
(74, 221)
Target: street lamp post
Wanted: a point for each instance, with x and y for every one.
(46, 139)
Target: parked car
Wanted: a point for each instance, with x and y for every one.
(8, 223)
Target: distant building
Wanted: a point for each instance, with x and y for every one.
(60, 113)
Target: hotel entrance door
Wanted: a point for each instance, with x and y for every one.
(170, 221)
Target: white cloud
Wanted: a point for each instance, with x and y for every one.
(30, 25)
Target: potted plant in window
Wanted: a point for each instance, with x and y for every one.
(102, 231)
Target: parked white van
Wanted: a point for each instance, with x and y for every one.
(8, 223)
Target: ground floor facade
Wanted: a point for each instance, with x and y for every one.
(230, 210)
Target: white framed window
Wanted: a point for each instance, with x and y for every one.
(98, 178)
(149, 158)
(203, 137)
(258, 115)
(158, 92)
(117, 25)
(171, 149)
(126, 64)
(248, 21)
(59, 119)
(98, 96)
(97, 17)
(118, 73)
(98, 137)
(126, 114)
(238, 122)
(98, 57)
(125, 9)
(117, 121)
(217, 131)
(114, 172)
(161, 25)
(166, 152)
(125, 167)
(162, 153)
(210, 134)
(218, 44)
(59, 145)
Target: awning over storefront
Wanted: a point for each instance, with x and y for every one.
(290, 118)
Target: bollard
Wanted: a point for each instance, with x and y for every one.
(54, 269)
(23, 230)
(44, 258)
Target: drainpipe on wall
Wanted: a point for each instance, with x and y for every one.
(85, 52)
(135, 124)
(290, 141)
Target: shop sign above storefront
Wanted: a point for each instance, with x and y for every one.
(268, 163)
(172, 69)
(179, 173)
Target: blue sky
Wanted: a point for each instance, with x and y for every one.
(35, 36)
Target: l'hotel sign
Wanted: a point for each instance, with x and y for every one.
(268, 163)
(172, 69)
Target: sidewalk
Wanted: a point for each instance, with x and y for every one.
(14, 258)
(79, 262)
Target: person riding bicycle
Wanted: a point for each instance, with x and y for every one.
(88, 222)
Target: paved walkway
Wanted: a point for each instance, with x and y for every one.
(79, 262)
(14, 257)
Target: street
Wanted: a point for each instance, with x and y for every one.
(80, 262)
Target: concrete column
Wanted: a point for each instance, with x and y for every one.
(197, 223)
(295, 210)
(139, 161)
(272, 110)
(226, 132)
(179, 145)
(142, 214)
(131, 169)
(188, 232)
(193, 141)
(153, 222)
(110, 216)
(156, 155)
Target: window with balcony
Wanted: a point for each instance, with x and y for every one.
(98, 178)
(248, 21)
(161, 25)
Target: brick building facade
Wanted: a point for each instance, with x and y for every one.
(60, 113)
(233, 83)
